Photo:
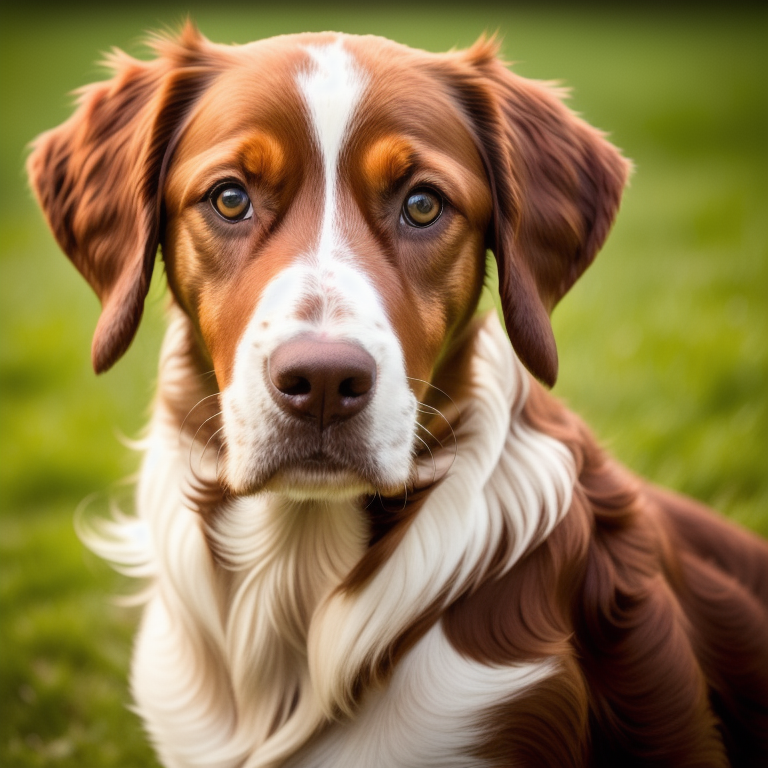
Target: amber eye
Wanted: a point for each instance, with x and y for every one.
(422, 207)
(231, 202)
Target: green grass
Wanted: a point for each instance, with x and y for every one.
(663, 343)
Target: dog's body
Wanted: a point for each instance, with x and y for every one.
(372, 538)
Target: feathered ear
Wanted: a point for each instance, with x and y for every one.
(556, 184)
(98, 178)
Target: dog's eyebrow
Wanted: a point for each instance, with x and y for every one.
(392, 159)
(263, 157)
(260, 157)
(387, 162)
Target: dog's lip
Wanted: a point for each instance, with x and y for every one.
(323, 473)
(315, 470)
(319, 476)
(318, 455)
(320, 459)
(319, 462)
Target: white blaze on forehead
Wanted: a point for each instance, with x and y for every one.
(332, 89)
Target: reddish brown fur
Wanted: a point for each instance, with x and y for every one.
(430, 282)
(211, 268)
(386, 164)
(662, 628)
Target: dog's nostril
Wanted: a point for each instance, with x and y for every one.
(324, 380)
(294, 385)
(356, 386)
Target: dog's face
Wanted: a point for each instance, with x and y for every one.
(327, 236)
(324, 205)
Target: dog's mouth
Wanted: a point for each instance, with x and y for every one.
(319, 477)
(319, 465)
(348, 459)
(306, 466)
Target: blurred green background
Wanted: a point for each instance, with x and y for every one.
(663, 343)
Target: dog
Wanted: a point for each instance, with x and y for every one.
(371, 537)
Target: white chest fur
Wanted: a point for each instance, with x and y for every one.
(430, 714)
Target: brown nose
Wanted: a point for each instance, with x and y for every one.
(327, 381)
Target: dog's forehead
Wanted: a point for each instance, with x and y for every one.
(409, 92)
(329, 88)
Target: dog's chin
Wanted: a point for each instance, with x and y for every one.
(316, 480)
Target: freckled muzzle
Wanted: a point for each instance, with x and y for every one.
(321, 381)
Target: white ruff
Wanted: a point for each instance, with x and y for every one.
(245, 664)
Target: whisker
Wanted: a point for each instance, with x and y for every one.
(189, 412)
(455, 447)
(218, 456)
(194, 439)
(438, 412)
(437, 389)
(205, 447)
(433, 410)
(434, 463)
(429, 433)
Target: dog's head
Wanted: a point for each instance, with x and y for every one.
(324, 204)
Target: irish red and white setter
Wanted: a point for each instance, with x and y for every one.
(371, 537)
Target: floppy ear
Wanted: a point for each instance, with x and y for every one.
(98, 178)
(556, 184)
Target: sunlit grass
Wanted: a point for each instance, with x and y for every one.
(663, 343)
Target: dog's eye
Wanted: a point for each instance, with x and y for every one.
(422, 207)
(231, 202)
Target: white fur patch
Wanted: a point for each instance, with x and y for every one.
(429, 716)
(332, 91)
(252, 420)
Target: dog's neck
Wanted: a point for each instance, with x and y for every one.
(301, 605)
